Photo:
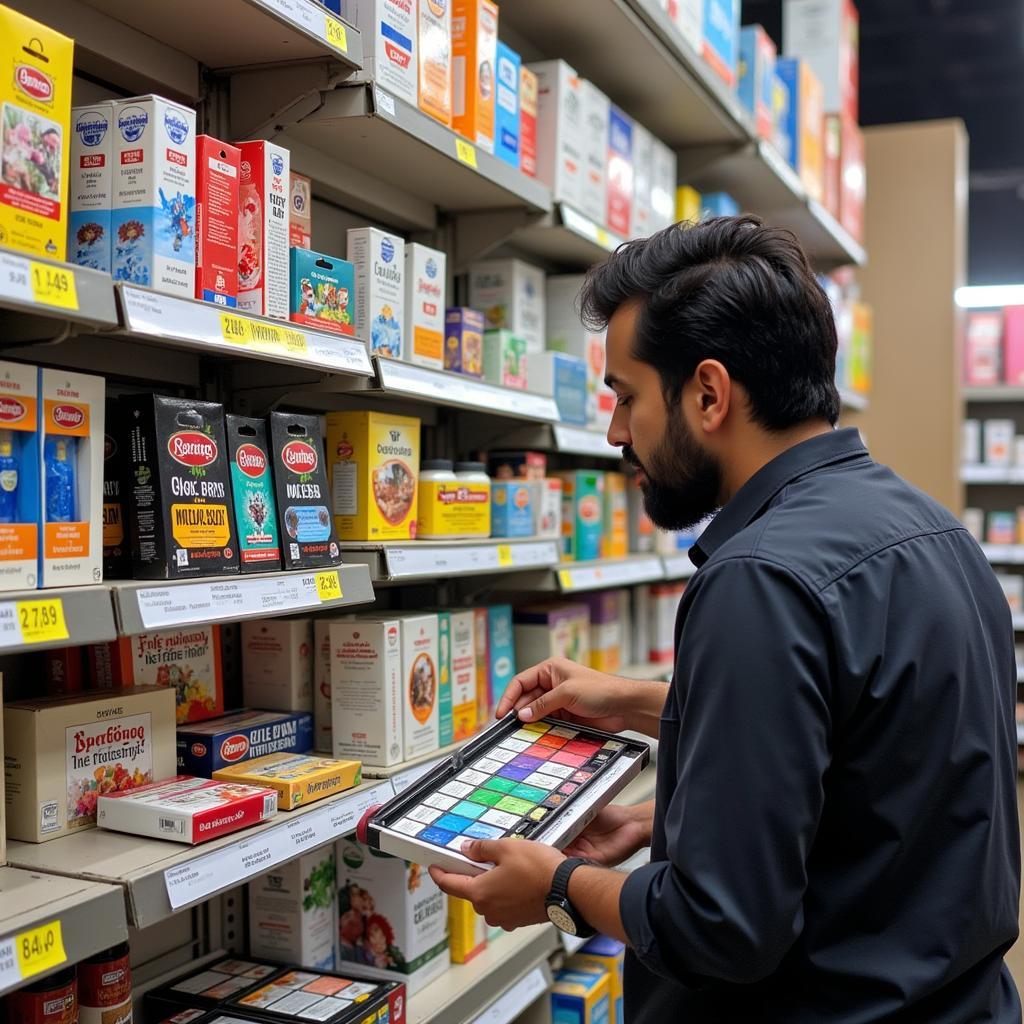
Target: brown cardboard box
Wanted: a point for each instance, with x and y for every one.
(62, 753)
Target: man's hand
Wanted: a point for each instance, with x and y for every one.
(615, 834)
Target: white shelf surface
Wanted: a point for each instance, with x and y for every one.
(29, 619)
(992, 474)
(574, 577)
(583, 441)
(1004, 554)
(62, 291)
(994, 393)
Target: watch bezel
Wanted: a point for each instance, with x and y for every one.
(566, 921)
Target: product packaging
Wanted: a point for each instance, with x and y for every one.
(467, 931)
(983, 348)
(252, 492)
(392, 918)
(105, 987)
(36, 100)
(998, 439)
(688, 18)
(721, 38)
(300, 211)
(581, 995)
(505, 359)
(277, 664)
(300, 483)
(565, 378)
(518, 465)
(379, 259)
(293, 911)
(241, 736)
(217, 196)
(419, 683)
(560, 130)
(374, 468)
(1013, 342)
(464, 341)
(181, 515)
(826, 34)
(510, 293)
(582, 514)
(970, 442)
(388, 28)
(605, 631)
(54, 1000)
(547, 507)
(501, 652)
(445, 723)
(663, 607)
(1013, 589)
(641, 530)
(91, 189)
(615, 538)
(506, 105)
(322, 291)
(552, 630)
(511, 509)
(263, 233)
(62, 753)
(65, 670)
(450, 508)
(853, 179)
(619, 212)
(206, 988)
(20, 461)
(757, 77)
(116, 549)
(434, 46)
(832, 171)
(527, 122)
(464, 683)
(688, 204)
(424, 305)
(297, 779)
(322, 712)
(482, 647)
(594, 191)
(71, 431)
(784, 124)
(805, 122)
(718, 204)
(609, 955)
(474, 53)
(642, 214)
(663, 186)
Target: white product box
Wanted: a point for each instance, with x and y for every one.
(91, 186)
(379, 261)
(688, 17)
(510, 294)
(322, 686)
(547, 506)
(366, 691)
(825, 34)
(974, 522)
(560, 130)
(970, 453)
(999, 435)
(264, 187)
(663, 186)
(424, 305)
(594, 192)
(277, 664)
(154, 219)
(463, 673)
(643, 178)
(388, 28)
(420, 684)
(293, 911)
(1013, 588)
(1018, 450)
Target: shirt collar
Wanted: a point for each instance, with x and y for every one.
(750, 500)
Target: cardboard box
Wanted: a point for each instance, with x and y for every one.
(853, 180)
(297, 779)
(116, 549)
(277, 664)
(721, 30)
(379, 261)
(424, 305)
(91, 188)
(510, 294)
(390, 58)
(999, 435)
(501, 650)
(594, 190)
(252, 494)
(300, 211)
(552, 630)
(582, 514)
(663, 186)
(434, 48)
(805, 122)
(464, 341)
(547, 507)
(527, 122)
(467, 931)
(688, 204)
(619, 214)
(263, 232)
(642, 212)
(217, 198)
(560, 130)
(62, 753)
(206, 747)
(826, 34)
(322, 292)
(608, 955)
(990, 335)
(71, 429)
(615, 537)
(564, 377)
(20, 462)
(605, 631)
(419, 683)
(464, 683)
(506, 105)
(505, 359)
(322, 710)
(757, 77)
(784, 125)
(688, 18)
(474, 51)
(511, 509)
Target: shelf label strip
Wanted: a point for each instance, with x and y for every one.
(38, 621)
(31, 952)
(403, 780)
(611, 574)
(404, 562)
(31, 281)
(515, 999)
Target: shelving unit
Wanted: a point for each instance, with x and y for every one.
(37, 619)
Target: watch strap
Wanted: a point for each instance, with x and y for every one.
(560, 881)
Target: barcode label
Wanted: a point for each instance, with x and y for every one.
(172, 825)
(269, 805)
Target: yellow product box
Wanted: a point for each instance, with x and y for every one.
(35, 108)
(467, 931)
(474, 56)
(615, 539)
(811, 125)
(861, 348)
(581, 995)
(687, 204)
(458, 508)
(373, 464)
(298, 779)
(608, 955)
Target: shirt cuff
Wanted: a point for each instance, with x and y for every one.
(634, 903)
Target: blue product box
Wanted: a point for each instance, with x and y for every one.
(506, 105)
(206, 747)
(323, 290)
(501, 649)
(757, 77)
(464, 341)
(334, 6)
(90, 189)
(721, 37)
(570, 388)
(719, 204)
(787, 71)
(511, 509)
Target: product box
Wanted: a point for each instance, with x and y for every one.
(322, 710)
(1002, 528)
(62, 753)
(501, 651)
(757, 77)
(453, 508)
(474, 52)
(392, 918)
(527, 122)
(241, 736)
(424, 305)
(482, 647)
(464, 341)
(293, 911)
(71, 430)
(826, 34)
(721, 38)
(322, 288)
(565, 378)
(434, 47)
(505, 359)
(641, 530)
(510, 293)
(20, 461)
(467, 931)
(861, 340)
(367, 699)
(609, 955)
(36, 100)
(297, 779)
(300, 211)
(605, 631)
(615, 539)
(91, 189)
(582, 514)
(374, 460)
(185, 809)
(205, 988)
(970, 442)
(116, 550)
(379, 259)
(781, 107)
(594, 189)
(419, 683)
(217, 196)
(300, 483)
(688, 204)
(998, 438)
(663, 185)
(252, 492)
(517, 465)
(832, 141)
(511, 509)
(643, 158)
(552, 630)
(506, 105)
(853, 179)
(986, 335)
(445, 724)
(560, 130)
(619, 213)
(388, 28)
(688, 17)
(805, 123)
(661, 614)
(718, 204)
(464, 684)
(181, 514)
(64, 670)
(547, 507)
(277, 664)
(263, 234)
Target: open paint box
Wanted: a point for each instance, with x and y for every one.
(540, 780)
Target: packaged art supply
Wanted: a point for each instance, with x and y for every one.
(379, 260)
(263, 233)
(298, 779)
(581, 995)
(474, 50)
(277, 664)
(206, 987)
(505, 359)
(252, 492)
(721, 37)
(560, 130)
(464, 683)
(388, 28)
(240, 736)
(36, 101)
(434, 25)
(420, 683)
(300, 211)
(594, 191)
(322, 292)
(54, 1000)
(757, 77)
(91, 190)
(20, 462)
(501, 652)
(511, 508)
(510, 294)
(300, 482)
(564, 377)
(619, 187)
(424, 305)
(217, 192)
(464, 341)
(506, 105)
(116, 549)
(62, 753)
(527, 122)
(467, 931)
(582, 514)
(181, 511)
(615, 538)
(547, 507)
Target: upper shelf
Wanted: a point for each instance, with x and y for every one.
(994, 393)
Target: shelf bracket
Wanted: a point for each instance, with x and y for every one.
(265, 101)
(478, 233)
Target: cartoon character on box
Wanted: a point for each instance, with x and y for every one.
(250, 240)
(386, 334)
(368, 937)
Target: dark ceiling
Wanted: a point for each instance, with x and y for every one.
(923, 59)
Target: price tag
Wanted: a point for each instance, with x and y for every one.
(328, 586)
(504, 555)
(39, 949)
(565, 579)
(53, 286)
(335, 34)
(466, 153)
(239, 330)
(41, 621)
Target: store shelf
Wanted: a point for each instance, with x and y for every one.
(556, 437)
(31, 619)
(1018, 623)
(161, 878)
(566, 237)
(610, 572)
(647, 672)
(77, 917)
(992, 474)
(1004, 554)
(160, 604)
(678, 566)
(55, 290)
(853, 400)
(996, 393)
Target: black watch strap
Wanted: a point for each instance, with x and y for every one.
(560, 882)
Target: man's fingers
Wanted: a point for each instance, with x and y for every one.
(453, 884)
(483, 851)
(554, 700)
(536, 679)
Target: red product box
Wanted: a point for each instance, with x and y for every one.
(853, 179)
(65, 670)
(983, 347)
(186, 809)
(1013, 343)
(217, 177)
(528, 122)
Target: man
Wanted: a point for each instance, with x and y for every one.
(834, 836)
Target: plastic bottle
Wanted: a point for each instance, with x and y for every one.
(59, 461)
(9, 473)
(435, 475)
(105, 987)
(478, 496)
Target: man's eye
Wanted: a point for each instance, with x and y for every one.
(623, 399)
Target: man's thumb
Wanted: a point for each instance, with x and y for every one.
(546, 703)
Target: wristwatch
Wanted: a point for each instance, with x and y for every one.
(561, 913)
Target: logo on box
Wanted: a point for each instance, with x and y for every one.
(234, 748)
(176, 127)
(34, 83)
(132, 122)
(191, 448)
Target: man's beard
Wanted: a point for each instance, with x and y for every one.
(683, 482)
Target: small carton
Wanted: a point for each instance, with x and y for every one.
(241, 736)
(527, 122)
(582, 514)
(445, 723)
(560, 130)
(277, 664)
(474, 52)
(826, 34)
(517, 465)
(62, 753)
(620, 172)
(581, 995)
(116, 550)
(510, 293)
(511, 508)
(663, 186)
(297, 779)
(642, 212)
(564, 377)
(1002, 528)
(506, 105)
(464, 341)
(322, 292)
(757, 77)
(688, 204)
(609, 955)
(366, 690)
(987, 334)
(303, 498)
(615, 539)
(721, 30)
(424, 305)
(594, 193)
(501, 650)
(853, 179)
(547, 507)
(463, 679)
(263, 233)
(71, 430)
(605, 631)
(300, 211)
(552, 630)
(186, 809)
(505, 359)
(252, 492)
(91, 190)
(805, 122)
(217, 191)
(434, 25)
(661, 615)
(467, 931)
(388, 28)
(998, 439)
(688, 18)
(379, 260)
(322, 712)
(20, 461)
(482, 647)
(420, 683)
(374, 465)
(293, 911)
(782, 138)
(576, 340)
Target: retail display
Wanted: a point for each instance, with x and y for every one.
(300, 211)
(297, 779)
(91, 185)
(511, 509)
(277, 664)
(608, 955)
(252, 493)
(434, 47)
(241, 736)
(757, 77)
(581, 995)
(505, 359)
(506, 104)
(474, 51)
(510, 294)
(464, 341)
(453, 505)
(207, 987)
(322, 291)
(420, 711)
(217, 195)
(583, 506)
(424, 305)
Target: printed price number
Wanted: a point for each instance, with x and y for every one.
(504, 555)
(53, 286)
(466, 153)
(41, 621)
(335, 34)
(237, 330)
(39, 949)
(328, 586)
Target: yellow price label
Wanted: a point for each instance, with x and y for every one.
(466, 153)
(565, 579)
(504, 554)
(41, 621)
(335, 34)
(328, 586)
(239, 330)
(603, 238)
(39, 949)
(53, 286)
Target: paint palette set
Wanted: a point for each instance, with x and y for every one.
(540, 780)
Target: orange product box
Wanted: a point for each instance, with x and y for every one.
(434, 27)
(19, 476)
(853, 179)
(527, 122)
(811, 122)
(474, 54)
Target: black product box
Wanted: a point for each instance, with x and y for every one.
(209, 987)
(117, 553)
(252, 488)
(300, 484)
(181, 515)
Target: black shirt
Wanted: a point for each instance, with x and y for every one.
(835, 834)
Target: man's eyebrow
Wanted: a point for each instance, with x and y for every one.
(611, 381)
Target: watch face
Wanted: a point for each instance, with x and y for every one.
(561, 919)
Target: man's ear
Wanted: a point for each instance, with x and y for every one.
(713, 392)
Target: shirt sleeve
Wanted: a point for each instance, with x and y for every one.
(751, 742)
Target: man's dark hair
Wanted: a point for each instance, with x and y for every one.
(731, 289)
